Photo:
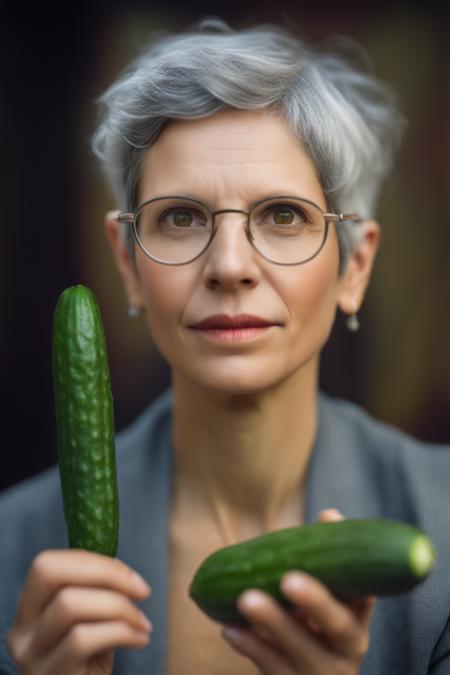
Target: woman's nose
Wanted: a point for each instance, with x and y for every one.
(230, 258)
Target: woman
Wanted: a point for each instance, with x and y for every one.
(246, 166)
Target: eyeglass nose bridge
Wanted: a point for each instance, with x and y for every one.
(215, 213)
(247, 224)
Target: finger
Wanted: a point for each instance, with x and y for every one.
(264, 655)
(292, 638)
(84, 641)
(335, 620)
(53, 569)
(73, 605)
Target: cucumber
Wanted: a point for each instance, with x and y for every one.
(353, 557)
(85, 423)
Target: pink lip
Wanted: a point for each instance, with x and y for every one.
(240, 321)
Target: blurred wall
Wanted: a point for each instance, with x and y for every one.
(53, 68)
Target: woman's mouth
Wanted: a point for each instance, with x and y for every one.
(225, 328)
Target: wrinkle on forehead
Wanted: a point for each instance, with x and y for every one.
(242, 153)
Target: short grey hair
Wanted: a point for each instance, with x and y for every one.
(344, 116)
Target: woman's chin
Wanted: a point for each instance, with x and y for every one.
(237, 382)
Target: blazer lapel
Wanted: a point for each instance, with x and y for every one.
(337, 471)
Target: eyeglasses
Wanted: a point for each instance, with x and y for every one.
(175, 230)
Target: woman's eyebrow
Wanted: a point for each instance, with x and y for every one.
(255, 197)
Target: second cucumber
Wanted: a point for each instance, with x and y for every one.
(353, 558)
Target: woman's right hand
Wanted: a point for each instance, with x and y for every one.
(75, 608)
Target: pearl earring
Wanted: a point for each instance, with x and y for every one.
(134, 311)
(352, 320)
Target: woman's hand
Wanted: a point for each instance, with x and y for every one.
(322, 636)
(75, 608)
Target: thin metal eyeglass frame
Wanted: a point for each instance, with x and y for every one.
(130, 219)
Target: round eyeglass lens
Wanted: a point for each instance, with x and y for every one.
(287, 230)
(173, 229)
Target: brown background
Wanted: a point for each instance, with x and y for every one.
(53, 66)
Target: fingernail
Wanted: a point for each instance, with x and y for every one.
(145, 622)
(250, 599)
(330, 515)
(232, 634)
(139, 583)
(293, 581)
(335, 512)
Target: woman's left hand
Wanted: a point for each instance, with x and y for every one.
(321, 636)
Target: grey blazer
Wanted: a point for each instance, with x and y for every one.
(358, 465)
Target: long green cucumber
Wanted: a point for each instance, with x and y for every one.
(353, 558)
(85, 423)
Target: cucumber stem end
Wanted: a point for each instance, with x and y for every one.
(422, 556)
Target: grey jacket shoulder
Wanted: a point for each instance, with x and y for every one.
(405, 477)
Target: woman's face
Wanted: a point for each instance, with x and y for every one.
(229, 161)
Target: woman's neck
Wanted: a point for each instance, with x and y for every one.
(243, 454)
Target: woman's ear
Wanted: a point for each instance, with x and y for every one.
(355, 278)
(124, 260)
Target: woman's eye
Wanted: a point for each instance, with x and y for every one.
(283, 216)
(286, 215)
(182, 218)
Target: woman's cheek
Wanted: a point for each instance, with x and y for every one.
(165, 291)
(310, 294)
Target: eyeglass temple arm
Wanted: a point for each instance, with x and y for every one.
(338, 217)
(126, 218)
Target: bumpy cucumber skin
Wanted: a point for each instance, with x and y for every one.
(85, 423)
(353, 557)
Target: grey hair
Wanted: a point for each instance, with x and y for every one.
(343, 115)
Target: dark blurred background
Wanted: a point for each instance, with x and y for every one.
(54, 64)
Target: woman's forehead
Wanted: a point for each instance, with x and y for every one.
(231, 134)
(246, 150)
